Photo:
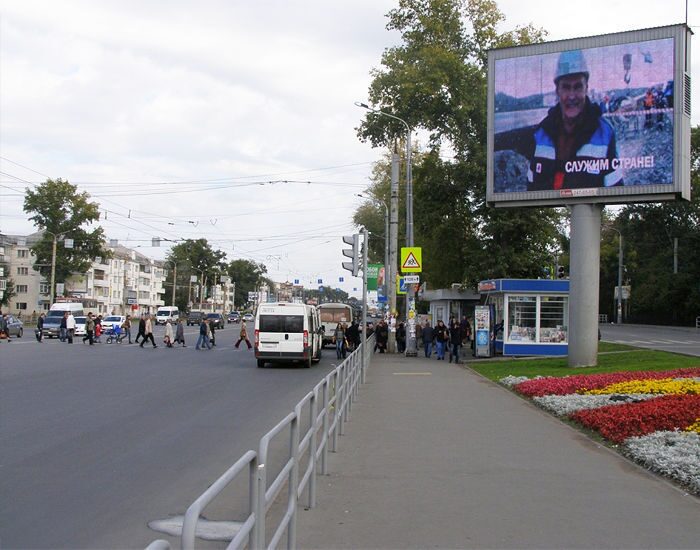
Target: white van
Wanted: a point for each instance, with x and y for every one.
(52, 322)
(287, 332)
(167, 312)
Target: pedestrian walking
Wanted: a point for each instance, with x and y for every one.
(340, 341)
(4, 329)
(401, 338)
(442, 336)
(382, 336)
(70, 327)
(89, 330)
(352, 335)
(98, 331)
(243, 336)
(212, 333)
(142, 329)
(455, 340)
(63, 327)
(203, 339)
(428, 336)
(466, 329)
(40, 328)
(180, 333)
(168, 338)
(148, 332)
(126, 327)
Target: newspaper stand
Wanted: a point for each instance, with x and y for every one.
(531, 316)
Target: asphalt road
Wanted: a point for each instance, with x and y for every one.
(95, 442)
(683, 340)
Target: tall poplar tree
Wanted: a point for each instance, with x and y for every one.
(436, 81)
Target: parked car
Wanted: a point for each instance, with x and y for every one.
(248, 317)
(195, 317)
(233, 317)
(216, 320)
(14, 326)
(80, 326)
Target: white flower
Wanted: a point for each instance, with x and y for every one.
(674, 454)
(511, 380)
(563, 405)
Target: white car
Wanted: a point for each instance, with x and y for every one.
(80, 326)
(111, 320)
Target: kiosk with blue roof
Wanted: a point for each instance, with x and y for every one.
(534, 314)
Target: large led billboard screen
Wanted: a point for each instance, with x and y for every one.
(603, 119)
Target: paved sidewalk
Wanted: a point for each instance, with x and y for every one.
(435, 456)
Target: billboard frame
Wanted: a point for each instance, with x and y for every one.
(679, 189)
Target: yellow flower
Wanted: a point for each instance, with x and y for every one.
(665, 386)
(694, 427)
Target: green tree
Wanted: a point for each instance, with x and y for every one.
(649, 230)
(60, 211)
(193, 257)
(248, 276)
(9, 292)
(436, 81)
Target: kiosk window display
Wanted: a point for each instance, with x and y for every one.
(534, 312)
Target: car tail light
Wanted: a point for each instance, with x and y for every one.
(306, 338)
(257, 338)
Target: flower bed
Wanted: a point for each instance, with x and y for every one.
(585, 382)
(653, 415)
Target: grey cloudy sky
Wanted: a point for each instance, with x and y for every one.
(206, 119)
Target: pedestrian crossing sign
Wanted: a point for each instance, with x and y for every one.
(401, 287)
(411, 259)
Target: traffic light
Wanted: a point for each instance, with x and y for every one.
(561, 272)
(352, 253)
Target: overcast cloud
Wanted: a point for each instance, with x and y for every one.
(175, 115)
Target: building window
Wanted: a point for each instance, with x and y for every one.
(22, 253)
(44, 288)
(554, 318)
(522, 318)
(21, 305)
(22, 271)
(21, 289)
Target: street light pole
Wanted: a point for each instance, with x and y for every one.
(619, 281)
(618, 318)
(411, 348)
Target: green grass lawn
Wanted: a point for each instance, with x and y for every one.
(611, 358)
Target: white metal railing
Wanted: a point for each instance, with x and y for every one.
(329, 405)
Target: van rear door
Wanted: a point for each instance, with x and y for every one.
(282, 335)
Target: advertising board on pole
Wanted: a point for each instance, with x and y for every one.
(483, 322)
(622, 100)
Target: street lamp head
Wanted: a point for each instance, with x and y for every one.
(363, 105)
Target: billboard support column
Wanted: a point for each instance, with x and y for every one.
(584, 270)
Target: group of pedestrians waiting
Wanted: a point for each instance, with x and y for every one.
(447, 339)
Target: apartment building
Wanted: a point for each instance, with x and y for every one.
(129, 282)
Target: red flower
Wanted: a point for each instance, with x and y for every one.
(618, 422)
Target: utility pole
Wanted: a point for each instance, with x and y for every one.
(393, 242)
(172, 303)
(52, 294)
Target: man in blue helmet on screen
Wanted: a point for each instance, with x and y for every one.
(574, 146)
